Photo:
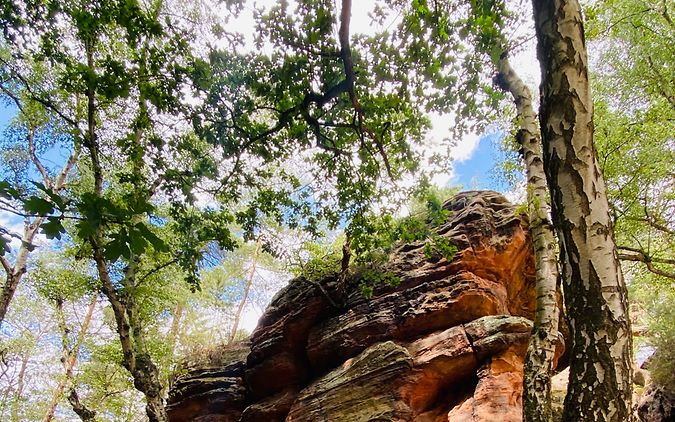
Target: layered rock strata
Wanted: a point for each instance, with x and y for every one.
(447, 344)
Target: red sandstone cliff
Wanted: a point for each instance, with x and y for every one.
(447, 344)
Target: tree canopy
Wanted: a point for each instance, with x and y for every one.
(157, 153)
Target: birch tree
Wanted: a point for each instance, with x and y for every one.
(595, 293)
(542, 346)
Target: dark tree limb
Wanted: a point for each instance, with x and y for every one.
(86, 414)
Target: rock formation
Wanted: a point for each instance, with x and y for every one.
(657, 404)
(447, 344)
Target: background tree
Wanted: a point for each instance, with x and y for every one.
(33, 132)
(633, 86)
(26, 357)
(111, 62)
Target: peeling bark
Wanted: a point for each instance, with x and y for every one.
(595, 293)
(541, 349)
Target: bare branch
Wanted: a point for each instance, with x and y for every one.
(638, 255)
(156, 270)
(38, 164)
(6, 265)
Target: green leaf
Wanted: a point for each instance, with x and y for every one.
(116, 248)
(37, 205)
(53, 228)
(155, 241)
(51, 193)
(85, 229)
(7, 191)
(4, 245)
(137, 243)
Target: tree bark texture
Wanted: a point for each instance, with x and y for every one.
(595, 293)
(136, 358)
(15, 272)
(541, 349)
(85, 414)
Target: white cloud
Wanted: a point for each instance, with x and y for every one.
(14, 225)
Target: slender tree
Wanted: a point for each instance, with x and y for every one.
(541, 349)
(69, 354)
(247, 290)
(595, 294)
(29, 127)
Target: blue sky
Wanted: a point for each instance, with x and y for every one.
(6, 113)
(476, 172)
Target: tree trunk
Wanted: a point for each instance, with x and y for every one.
(15, 272)
(19, 387)
(174, 333)
(541, 349)
(595, 294)
(135, 357)
(69, 356)
(175, 327)
(85, 414)
(8, 289)
(249, 282)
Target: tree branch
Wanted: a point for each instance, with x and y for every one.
(638, 255)
(157, 269)
(38, 164)
(6, 265)
(33, 96)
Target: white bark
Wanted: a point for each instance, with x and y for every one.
(541, 349)
(595, 292)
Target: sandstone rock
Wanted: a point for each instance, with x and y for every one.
(214, 392)
(209, 395)
(271, 409)
(656, 405)
(361, 390)
(447, 344)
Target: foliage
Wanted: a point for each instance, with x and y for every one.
(376, 236)
(635, 119)
(662, 329)
(26, 334)
(319, 260)
(380, 234)
(182, 148)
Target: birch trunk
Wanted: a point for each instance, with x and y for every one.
(541, 349)
(69, 355)
(19, 387)
(595, 293)
(247, 290)
(16, 271)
